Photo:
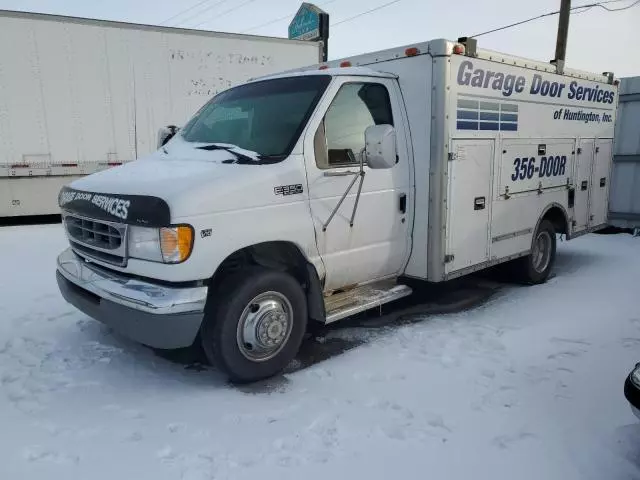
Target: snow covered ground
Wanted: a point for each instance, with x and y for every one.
(526, 386)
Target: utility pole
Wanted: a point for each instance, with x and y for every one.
(563, 32)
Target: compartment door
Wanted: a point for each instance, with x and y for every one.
(583, 182)
(600, 183)
(469, 200)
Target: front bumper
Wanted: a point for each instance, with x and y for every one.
(155, 315)
(632, 394)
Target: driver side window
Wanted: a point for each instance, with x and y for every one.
(355, 107)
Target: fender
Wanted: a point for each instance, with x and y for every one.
(280, 255)
(544, 214)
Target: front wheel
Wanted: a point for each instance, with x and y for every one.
(254, 324)
(536, 267)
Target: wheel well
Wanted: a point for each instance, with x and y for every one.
(283, 256)
(558, 219)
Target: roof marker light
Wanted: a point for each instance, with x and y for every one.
(323, 67)
(458, 49)
(412, 51)
(345, 64)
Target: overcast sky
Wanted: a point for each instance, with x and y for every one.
(598, 40)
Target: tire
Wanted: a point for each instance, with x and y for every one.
(275, 304)
(535, 268)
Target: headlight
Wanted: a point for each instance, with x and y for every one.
(635, 376)
(164, 245)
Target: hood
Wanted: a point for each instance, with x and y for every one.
(179, 166)
(193, 181)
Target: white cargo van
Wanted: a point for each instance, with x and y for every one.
(79, 96)
(315, 194)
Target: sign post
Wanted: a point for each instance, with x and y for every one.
(311, 23)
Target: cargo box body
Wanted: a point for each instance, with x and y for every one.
(498, 141)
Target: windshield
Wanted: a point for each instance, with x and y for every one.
(265, 117)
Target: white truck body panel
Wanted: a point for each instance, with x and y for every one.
(624, 203)
(78, 96)
(538, 141)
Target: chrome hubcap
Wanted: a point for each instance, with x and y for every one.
(541, 254)
(264, 326)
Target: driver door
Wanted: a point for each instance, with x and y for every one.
(377, 244)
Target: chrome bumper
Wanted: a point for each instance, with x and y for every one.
(154, 315)
(128, 292)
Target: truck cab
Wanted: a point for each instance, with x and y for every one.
(243, 199)
(306, 196)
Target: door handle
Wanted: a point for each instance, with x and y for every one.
(479, 203)
(603, 182)
(340, 173)
(584, 185)
(403, 203)
(571, 197)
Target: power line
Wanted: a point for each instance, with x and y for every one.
(271, 22)
(279, 19)
(200, 12)
(224, 13)
(195, 5)
(367, 12)
(616, 9)
(515, 24)
(548, 14)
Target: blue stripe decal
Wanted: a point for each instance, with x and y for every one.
(467, 125)
(467, 115)
(490, 106)
(489, 126)
(472, 104)
(509, 127)
(490, 116)
(486, 116)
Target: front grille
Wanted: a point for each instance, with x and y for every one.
(94, 233)
(98, 239)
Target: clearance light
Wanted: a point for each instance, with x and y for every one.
(323, 67)
(458, 49)
(412, 52)
(345, 64)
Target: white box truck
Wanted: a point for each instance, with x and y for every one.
(78, 96)
(315, 194)
(624, 198)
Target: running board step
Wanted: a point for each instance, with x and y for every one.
(345, 304)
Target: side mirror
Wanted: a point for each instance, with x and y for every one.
(380, 146)
(165, 134)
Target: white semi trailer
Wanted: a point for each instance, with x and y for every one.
(78, 96)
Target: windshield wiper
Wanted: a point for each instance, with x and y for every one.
(241, 158)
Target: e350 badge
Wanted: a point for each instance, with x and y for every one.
(288, 189)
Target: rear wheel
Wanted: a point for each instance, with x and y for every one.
(254, 324)
(536, 267)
